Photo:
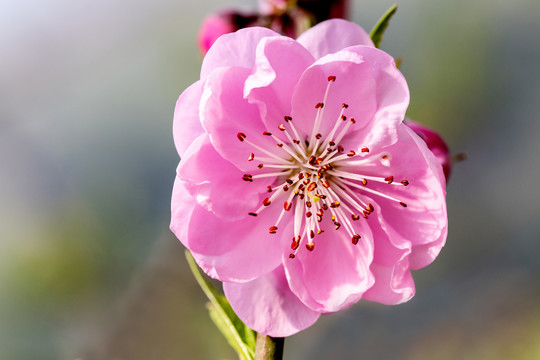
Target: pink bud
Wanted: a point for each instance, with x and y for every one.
(435, 143)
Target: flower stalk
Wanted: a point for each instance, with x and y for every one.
(269, 348)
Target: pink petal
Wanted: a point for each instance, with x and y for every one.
(336, 273)
(187, 126)
(182, 206)
(215, 183)
(354, 86)
(225, 113)
(268, 306)
(393, 281)
(234, 49)
(236, 250)
(280, 61)
(424, 220)
(332, 36)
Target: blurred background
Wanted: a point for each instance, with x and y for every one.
(88, 267)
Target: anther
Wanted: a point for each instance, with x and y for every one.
(353, 121)
(296, 141)
(331, 143)
(289, 181)
(318, 136)
(269, 188)
(291, 256)
(252, 214)
(295, 244)
(266, 133)
(281, 127)
(389, 179)
(351, 153)
(344, 105)
(338, 225)
(310, 247)
(287, 206)
(370, 208)
(266, 202)
(319, 105)
(272, 229)
(355, 217)
(364, 182)
(365, 150)
(308, 204)
(247, 177)
(402, 204)
(355, 239)
(308, 214)
(287, 118)
(343, 117)
(300, 176)
(340, 148)
(285, 188)
(332, 78)
(260, 166)
(279, 145)
(312, 186)
(251, 157)
(241, 136)
(325, 184)
(312, 234)
(404, 182)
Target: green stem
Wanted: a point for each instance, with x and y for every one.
(269, 348)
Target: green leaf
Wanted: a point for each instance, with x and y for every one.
(378, 30)
(239, 336)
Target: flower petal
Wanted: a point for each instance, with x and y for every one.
(336, 273)
(187, 126)
(268, 306)
(235, 250)
(225, 113)
(424, 220)
(217, 187)
(280, 61)
(354, 85)
(234, 49)
(332, 36)
(393, 280)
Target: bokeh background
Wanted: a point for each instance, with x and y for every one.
(88, 267)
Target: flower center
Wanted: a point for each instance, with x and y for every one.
(316, 177)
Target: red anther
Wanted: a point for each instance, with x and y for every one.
(365, 149)
(332, 78)
(296, 141)
(266, 133)
(318, 136)
(241, 136)
(325, 184)
(343, 117)
(252, 214)
(335, 204)
(305, 182)
(351, 153)
(308, 204)
(402, 204)
(308, 214)
(287, 118)
(287, 206)
(266, 202)
(300, 176)
(289, 181)
(311, 160)
(319, 105)
(344, 105)
(364, 182)
(355, 239)
(322, 196)
(291, 256)
(319, 160)
(355, 217)
(260, 166)
(340, 148)
(279, 145)
(338, 225)
(285, 187)
(319, 218)
(389, 179)
(370, 208)
(301, 187)
(312, 186)
(320, 212)
(295, 244)
(251, 157)
(301, 196)
(329, 150)
(312, 234)
(281, 127)
(404, 182)
(272, 229)
(320, 231)
(269, 188)
(331, 143)
(353, 121)
(310, 247)
(247, 177)
(325, 207)
(365, 214)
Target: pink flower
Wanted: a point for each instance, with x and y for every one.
(219, 24)
(300, 187)
(435, 143)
